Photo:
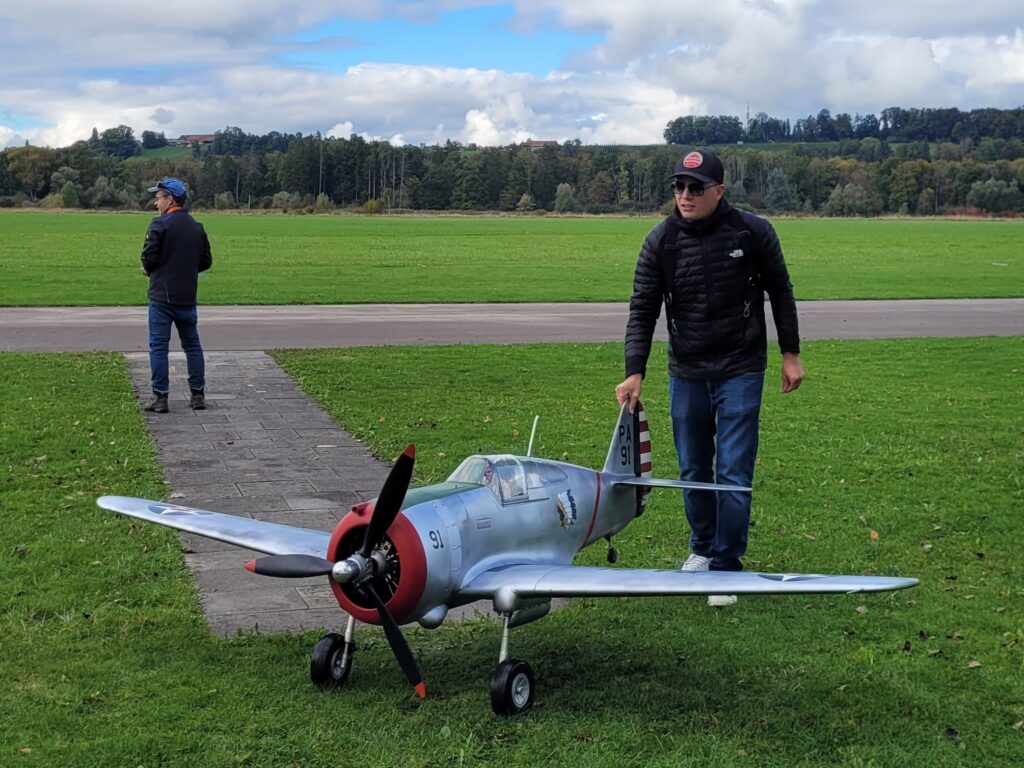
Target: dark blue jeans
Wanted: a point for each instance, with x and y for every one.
(715, 424)
(185, 319)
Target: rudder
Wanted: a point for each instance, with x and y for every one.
(630, 450)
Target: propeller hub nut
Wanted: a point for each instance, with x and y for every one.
(345, 571)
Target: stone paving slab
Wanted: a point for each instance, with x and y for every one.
(235, 457)
(261, 449)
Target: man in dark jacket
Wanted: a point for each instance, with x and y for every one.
(710, 265)
(175, 252)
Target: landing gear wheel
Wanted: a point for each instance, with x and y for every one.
(331, 661)
(512, 688)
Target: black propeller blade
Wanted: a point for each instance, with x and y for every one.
(385, 510)
(398, 644)
(389, 502)
(388, 505)
(290, 566)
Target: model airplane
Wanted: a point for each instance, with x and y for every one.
(503, 528)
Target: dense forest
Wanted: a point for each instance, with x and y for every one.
(906, 161)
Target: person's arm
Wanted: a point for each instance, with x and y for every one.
(775, 279)
(152, 246)
(644, 310)
(206, 257)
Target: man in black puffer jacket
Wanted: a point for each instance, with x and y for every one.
(175, 252)
(710, 265)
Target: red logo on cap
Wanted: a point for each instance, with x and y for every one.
(693, 160)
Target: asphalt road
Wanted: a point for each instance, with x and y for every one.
(242, 328)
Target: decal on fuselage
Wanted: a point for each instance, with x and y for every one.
(566, 506)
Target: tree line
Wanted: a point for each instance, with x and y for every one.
(849, 176)
(894, 124)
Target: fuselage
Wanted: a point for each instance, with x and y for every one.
(492, 511)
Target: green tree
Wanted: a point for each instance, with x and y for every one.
(8, 185)
(849, 200)
(780, 196)
(601, 190)
(470, 189)
(995, 196)
(905, 186)
(69, 195)
(119, 142)
(32, 168)
(153, 140)
(223, 201)
(565, 199)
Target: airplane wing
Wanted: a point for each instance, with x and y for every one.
(272, 538)
(543, 581)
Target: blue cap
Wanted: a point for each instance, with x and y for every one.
(174, 186)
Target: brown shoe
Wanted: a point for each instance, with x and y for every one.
(157, 405)
(198, 400)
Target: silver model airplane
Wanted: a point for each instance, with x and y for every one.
(504, 528)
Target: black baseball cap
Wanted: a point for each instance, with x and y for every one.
(702, 164)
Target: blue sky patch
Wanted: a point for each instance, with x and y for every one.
(473, 37)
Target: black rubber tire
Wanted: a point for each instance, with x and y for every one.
(512, 688)
(331, 661)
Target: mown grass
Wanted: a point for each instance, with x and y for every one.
(107, 661)
(83, 259)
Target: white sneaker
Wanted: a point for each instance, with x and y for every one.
(696, 563)
(721, 601)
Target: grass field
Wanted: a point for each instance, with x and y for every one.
(164, 153)
(107, 661)
(93, 259)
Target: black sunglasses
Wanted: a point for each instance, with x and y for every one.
(696, 187)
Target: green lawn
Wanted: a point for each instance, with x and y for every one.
(164, 153)
(107, 661)
(92, 258)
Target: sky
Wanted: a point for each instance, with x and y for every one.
(489, 73)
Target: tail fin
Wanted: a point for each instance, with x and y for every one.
(630, 450)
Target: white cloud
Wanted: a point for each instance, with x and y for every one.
(204, 67)
(9, 138)
(340, 130)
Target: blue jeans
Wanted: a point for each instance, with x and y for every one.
(185, 319)
(715, 424)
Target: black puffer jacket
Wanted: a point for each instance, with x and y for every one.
(716, 319)
(175, 252)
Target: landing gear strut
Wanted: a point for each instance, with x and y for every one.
(331, 661)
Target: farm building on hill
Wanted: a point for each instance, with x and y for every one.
(188, 139)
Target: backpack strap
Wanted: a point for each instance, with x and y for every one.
(667, 251)
(751, 258)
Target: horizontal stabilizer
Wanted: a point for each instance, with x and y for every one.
(650, 482)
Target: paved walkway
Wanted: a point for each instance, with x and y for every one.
(123, 329)
(264, 449)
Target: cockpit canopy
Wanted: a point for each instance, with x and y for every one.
(510, 478)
